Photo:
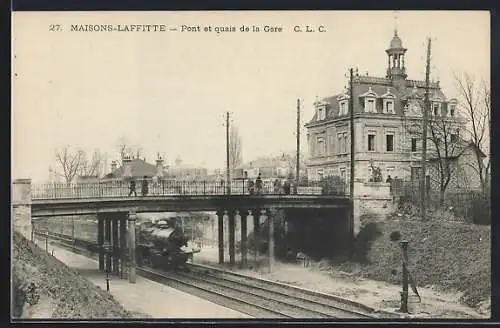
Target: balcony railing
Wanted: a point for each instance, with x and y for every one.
(179, 188)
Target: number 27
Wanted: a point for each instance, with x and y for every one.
(54, 27)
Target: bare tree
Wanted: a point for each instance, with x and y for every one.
(444, 144)
(290, 158)
(68, 163)
(235, 148)
(91, 165)
(475, 104)
(73, 163)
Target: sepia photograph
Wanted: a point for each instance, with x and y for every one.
(250, 165)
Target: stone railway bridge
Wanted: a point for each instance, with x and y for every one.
(117, 212)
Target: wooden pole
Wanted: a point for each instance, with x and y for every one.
(423, 189)
(297, 168)
(351, 178)
(351, 110)
(228, 174)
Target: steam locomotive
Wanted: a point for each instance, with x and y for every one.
(162, 245)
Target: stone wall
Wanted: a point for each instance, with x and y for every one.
(21, 207)
(373, 202)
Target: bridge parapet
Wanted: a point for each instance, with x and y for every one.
(179, 188)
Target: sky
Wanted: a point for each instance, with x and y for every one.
(168, 92)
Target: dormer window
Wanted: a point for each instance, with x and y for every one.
(436, 105)
(370, 105)
(320, 110)
(343, 104)
(344, 107)
(370, 100)
(388, 103)
(436, 109)
(389, 107)
(452, 108)
(321, 114)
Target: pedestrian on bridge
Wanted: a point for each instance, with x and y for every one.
(132, 188)
(286, 186)
(258, 184)
(144, 187)
(251, 187)
(277, 186)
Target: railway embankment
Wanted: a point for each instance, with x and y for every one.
(43, 287)
(443, 254)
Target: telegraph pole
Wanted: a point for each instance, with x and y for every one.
(351, 110)
(298, 147)
(423, 190)
(228, 176)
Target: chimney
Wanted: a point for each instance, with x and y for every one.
(127, 167)
(113, 166)
(159, 167)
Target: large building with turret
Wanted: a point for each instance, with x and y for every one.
(387, 111)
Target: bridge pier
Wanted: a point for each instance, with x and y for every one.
(116, 251)
(244, 238)
(270, 252)
(220, 226)
(100, 240)
(256, 235)
(123, 244)
(107, 240)
(237, 234)
(132, 217)
(231, 239)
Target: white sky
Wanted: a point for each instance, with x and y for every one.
(169, 91)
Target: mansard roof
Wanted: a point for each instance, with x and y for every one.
(388, 94)
(364, 85)
(369, 93)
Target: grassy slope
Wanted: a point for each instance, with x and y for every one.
(69, 294)
(447, 255)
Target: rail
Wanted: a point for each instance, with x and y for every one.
(179, 188)
(251, 295)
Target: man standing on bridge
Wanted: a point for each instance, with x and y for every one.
(258, 184)
(132, 188)
(145, 189)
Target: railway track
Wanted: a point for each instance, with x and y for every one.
(265, 299)
(253, 296)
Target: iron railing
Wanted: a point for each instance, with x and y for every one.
(179, 188)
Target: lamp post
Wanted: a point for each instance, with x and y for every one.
(404, 293)
(46, 241)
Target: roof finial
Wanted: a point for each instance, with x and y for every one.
(395, 23)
